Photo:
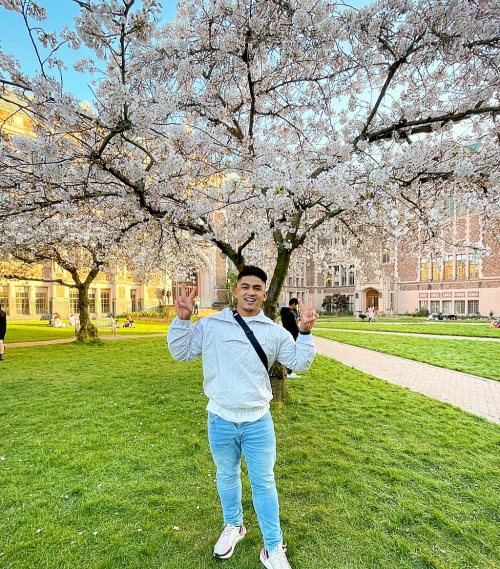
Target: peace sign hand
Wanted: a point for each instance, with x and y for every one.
(184, 304)
(307, 316)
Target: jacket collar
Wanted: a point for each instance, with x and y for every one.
(227, 315)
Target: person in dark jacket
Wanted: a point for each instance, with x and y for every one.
(3, 330)
(289, 317)
(289, 320)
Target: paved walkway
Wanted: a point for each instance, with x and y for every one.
(415, 335)
(474, 394)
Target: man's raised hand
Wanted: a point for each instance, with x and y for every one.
(307, 316)
(184, 304)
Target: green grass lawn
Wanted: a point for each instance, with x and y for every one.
(470, 356)
(451, 328)
(105, 464)
(40, 330)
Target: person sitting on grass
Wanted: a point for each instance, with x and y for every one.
(128, 322)
(58, 323)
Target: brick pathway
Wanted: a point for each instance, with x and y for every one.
(474, 394)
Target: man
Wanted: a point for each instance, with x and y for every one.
(239, 391)
(3, 330)
(289, 317)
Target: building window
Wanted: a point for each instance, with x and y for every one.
(460, 307)
(4, 298)
(350, 279)
(343, 276)
(105, 298)
(448, 267)
(133, 299)
(289, 281)
(460, 267)
(73, 301)
(436, 273)
(424, 270)
(435, 306)
(473, 266)
(336, 275)
(92, 300)
(472, 307)
(350, 303)
(42, 300)
(449, 206)
(423, 305)
(22, 300)
(447, 306)
(386, 257)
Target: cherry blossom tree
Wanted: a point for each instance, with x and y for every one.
(327, 116)
(263, 126)
(85, 242)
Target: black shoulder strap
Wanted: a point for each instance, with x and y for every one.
(251, 337)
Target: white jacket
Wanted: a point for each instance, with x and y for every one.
(235, 380)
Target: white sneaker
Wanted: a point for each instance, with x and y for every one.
(293, 375)
(230, 536)
(277, 560)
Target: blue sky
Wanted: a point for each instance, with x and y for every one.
(15, 41)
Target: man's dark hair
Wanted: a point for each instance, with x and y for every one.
(251, 271)
(293, 301)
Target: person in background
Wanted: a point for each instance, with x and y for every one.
(3, 331)
(196, 307)
(370, 313)
(58, 323)
(289, 316)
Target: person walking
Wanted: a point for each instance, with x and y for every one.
(289, 320)
(371, 313)
(238, 388)
(196, 309)
(3, 331)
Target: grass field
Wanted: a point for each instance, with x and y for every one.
(104, 464)
(450, 328)
(39, 331)
(470, 356)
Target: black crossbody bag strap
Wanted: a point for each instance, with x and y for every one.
(252, 338)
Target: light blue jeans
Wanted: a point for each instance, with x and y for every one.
(257, 441)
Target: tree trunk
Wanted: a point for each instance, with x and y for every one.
(277, 373)
(87, 331)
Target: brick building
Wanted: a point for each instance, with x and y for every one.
(458, 281)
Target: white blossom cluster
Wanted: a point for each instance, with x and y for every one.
(261, 128)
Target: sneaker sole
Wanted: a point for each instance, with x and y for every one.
(265, 562)
(229, 553)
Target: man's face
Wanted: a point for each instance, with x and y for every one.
(294, 306)
(250, 292)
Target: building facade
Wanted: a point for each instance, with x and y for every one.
(400, 281)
